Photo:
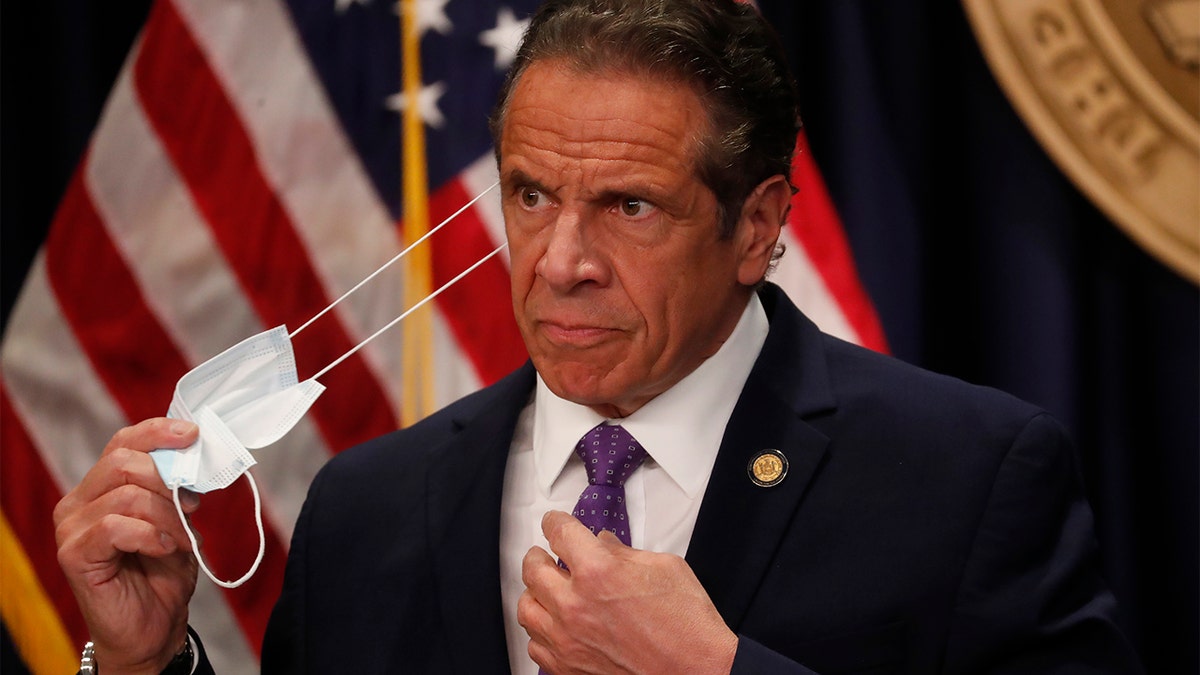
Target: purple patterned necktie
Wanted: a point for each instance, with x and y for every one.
(610, 456)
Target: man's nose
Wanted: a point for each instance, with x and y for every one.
(572, 256)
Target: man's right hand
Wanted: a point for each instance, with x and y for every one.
(125, 552)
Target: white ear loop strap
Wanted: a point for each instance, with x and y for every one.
(410, 310)
(262, 540)
(388, 264)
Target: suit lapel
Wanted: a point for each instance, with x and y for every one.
(464, 525)
(741, 524)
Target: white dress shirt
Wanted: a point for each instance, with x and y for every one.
(681, 430)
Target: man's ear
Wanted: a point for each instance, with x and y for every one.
(758, 228)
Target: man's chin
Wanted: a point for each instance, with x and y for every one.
(582, 384)
(598, 389)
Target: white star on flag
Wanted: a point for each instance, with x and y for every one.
(430, 14)
(342, 5)
(427, 104)
(505, 37)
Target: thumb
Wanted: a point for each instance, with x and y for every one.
(607, 538)
(568, 538)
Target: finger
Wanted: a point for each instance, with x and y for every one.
(532, 616)
(90, 554)
(151, 507)
(189, 501)
(116, 468)
(125, 483)
(127, 503)
(115, 534)
(154, 433)
(537, 557)
(609, 539)
(124, 461)
(569, 539)
(543, 657)
(538, 623)
(540, 572)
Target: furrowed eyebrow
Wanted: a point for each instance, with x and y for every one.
(517, 178)
(643, 193)
(608, 196)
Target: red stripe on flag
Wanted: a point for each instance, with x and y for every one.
(28, 496)
(818, 226)
(103, 304)
(139, 365)
(479, 307)
(202, 133)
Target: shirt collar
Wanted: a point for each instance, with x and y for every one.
(681, 428)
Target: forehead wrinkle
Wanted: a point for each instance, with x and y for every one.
(617, 79)
(584, 130)
(607, 140)
(610, 154)
(595, 158)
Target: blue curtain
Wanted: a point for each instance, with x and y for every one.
(985, 262)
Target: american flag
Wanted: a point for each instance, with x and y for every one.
(247, 170)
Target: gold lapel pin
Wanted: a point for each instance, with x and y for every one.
(768, 468)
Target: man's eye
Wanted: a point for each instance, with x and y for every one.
(530, 197)
(632, 206)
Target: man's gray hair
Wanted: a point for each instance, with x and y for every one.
(723, 49)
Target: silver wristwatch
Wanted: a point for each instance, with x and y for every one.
(183, 661)
(87, 660)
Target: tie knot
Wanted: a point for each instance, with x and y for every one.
(610, 455)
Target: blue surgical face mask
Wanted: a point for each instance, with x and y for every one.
(246, 397)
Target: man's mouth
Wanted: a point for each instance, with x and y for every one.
(574, 335)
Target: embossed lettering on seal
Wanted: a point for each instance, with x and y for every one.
(1111, 89)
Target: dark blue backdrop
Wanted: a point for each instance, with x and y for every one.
(983, 259)
(985, 262)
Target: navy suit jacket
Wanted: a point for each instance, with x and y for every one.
(925, 526)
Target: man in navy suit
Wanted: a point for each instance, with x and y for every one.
(806, 505)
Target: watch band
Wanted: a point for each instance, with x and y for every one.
(87, 660)
(180, 664)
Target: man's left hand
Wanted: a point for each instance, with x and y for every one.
(616, 609)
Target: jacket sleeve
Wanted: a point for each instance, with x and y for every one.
(754, 659)
(1032, 598)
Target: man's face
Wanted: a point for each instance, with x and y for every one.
(621, 285)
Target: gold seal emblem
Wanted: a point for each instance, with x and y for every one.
(1111, 89)
(768, 468)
